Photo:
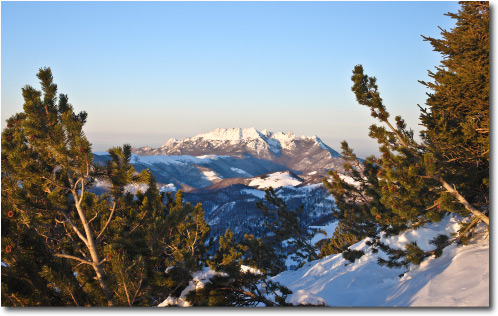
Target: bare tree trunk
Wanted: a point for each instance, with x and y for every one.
(464, 202)
(90, 243)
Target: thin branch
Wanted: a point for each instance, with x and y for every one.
(107, 223)
(138, 288)
(82, 190)
(93, 218)
(139, 222)
(75, 185)
(398, 135)
(76, 244)
(61, 255)
(72, 296)
(125, 288)
(55, 183)
(70, 222)
(471, 225)
(433, 206)
(87, 167)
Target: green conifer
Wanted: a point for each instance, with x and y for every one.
(286, 227)
(449, 170)
(61, 244)
(456, 120)
(236, 284)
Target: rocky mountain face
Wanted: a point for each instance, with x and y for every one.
(227, 171)
(255, 151)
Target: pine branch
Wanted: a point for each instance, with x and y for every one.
(55, 183)
(108, 222)
(73, 226)
(398, 135)
(75, 243)
(61, 255)
(72, 295)
(82, 189)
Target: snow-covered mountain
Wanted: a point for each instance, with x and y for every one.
(300, 154)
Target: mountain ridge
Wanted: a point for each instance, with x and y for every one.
(261, 144)
(249, 152)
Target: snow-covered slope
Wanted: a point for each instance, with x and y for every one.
(274, 180)
(460, 277)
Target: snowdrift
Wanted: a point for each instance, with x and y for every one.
(460, 277)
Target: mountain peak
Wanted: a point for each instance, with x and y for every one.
(230, 134)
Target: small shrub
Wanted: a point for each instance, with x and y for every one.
(352, 255)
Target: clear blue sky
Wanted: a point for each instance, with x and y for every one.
(148, 71)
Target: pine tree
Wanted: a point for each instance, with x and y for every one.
(46, 161)
(285, 226)
(456, 122)
(235, 284)
(183, 243)
(61, 244)
(357, 205)
(449, 170)
(261, 255)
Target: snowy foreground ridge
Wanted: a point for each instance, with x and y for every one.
(460, 277)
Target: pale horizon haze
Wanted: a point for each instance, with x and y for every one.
(149, 71)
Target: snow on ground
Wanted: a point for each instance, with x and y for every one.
(460, 277)
(170, 187)
(198, 280)
(133, 188)
(242, 172)
(211, 175)
(274, 180)
(103, 184)
(247, 269)
(167, 159)
(329, 230)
